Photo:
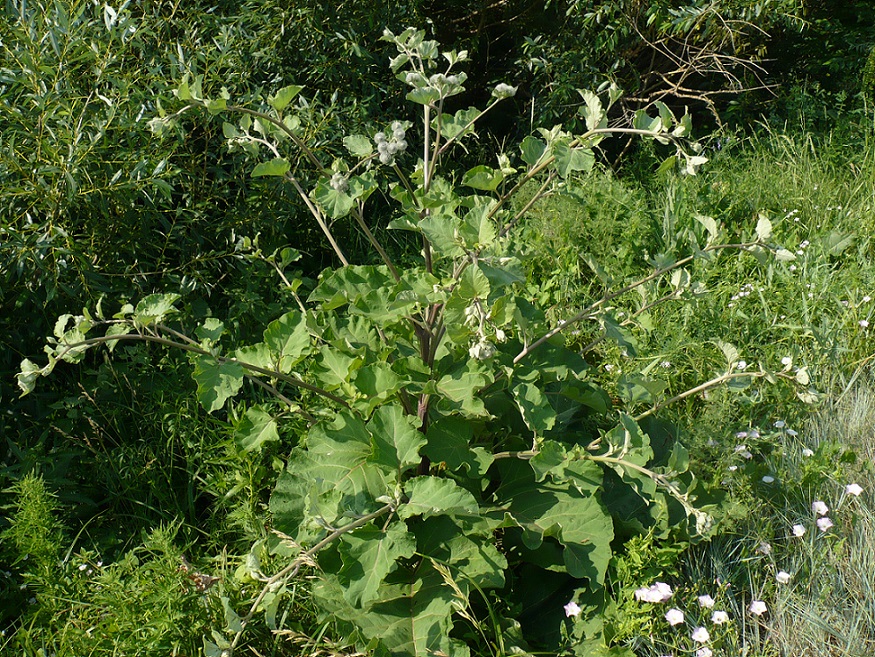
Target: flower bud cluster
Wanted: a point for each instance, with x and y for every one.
(389, 146)
(339, 182)
(503, 90)
(444, 85)
(476, 317)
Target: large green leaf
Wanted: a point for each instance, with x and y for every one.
(288, 340)
(275, 167)
(397, 440)
(216, 381)
(536, 410)
(482, 177)
(336, 204)
(570, 159)
(255, 428)
(333, 367)
(154, 308)
(284, 96)
(369, 554)
(578, 520)
(431, 496)
(449, 442)
(466, 546)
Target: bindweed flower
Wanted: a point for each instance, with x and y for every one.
(863, 323)
(820, 508)
(853, 489)
(807, 452)
(659, 592)
(780, 424)
(768, 479)
(764, 548)
(700, 635)
(787, 360)
(704, 652)
(782, 577)
(572, 609)
(758, 608)
(791, 432)
(705, 601)
(674, 617)
(798, 531)
(719, 617)
(823, 524)
(483, 350)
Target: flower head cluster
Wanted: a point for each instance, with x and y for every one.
(503, 90)
(339, 182)
(389, 146)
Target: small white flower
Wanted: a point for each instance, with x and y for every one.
(783, 577)
(807, 452)
(719, 617)
(732, 468)
(768, 479)
(500, 335)
(700, 635)
(798, 531)
(741, 365)
(665, 364)
(792, 432)
(863, 323)
(659, 592)
(780, 424)
(704, 652)
(758, 608)
(740, 435)
(764, 548)
(705, 601)
(674, 617)
(867, 299)
(787, 360)
(572, 609)
(83, 566)
(753, 433)
(746, 455)
(823, 524)
(608, 367)
(853, 489)
(820, 508)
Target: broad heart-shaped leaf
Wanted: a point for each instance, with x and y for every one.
(216, 381)
(532, 149)
(335, 203)
(341, 286)
(369, 554)
(376, 382)
(570, 159)
(579, 521)
(449, 441)
(333, 368)
(637, 388)
(276, 167)
(341, 455)
(154, 308)
(284, 96)
(411, 618)
(482, 177)
(441, 232)
(396, 438)
(629, 442)
(536, 410)
(288, 340)
(462, 387)
(255, 428)
(466, 546)
(358, 145)
(453, 125)
(434, 496)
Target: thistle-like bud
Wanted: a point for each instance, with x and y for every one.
(483, 350)
(503, 90)
(339, 182)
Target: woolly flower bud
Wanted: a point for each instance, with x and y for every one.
(392, 147)
(383, 147)
(503, 90)
(396, 125)
(453, 79)
(415, 79)
(402, 146)
(437, 80)
(386, 158)
(398, 133)
(483, 350)
(339, 182)
(380, 137)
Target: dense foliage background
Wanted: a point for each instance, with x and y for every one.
(114, 462)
